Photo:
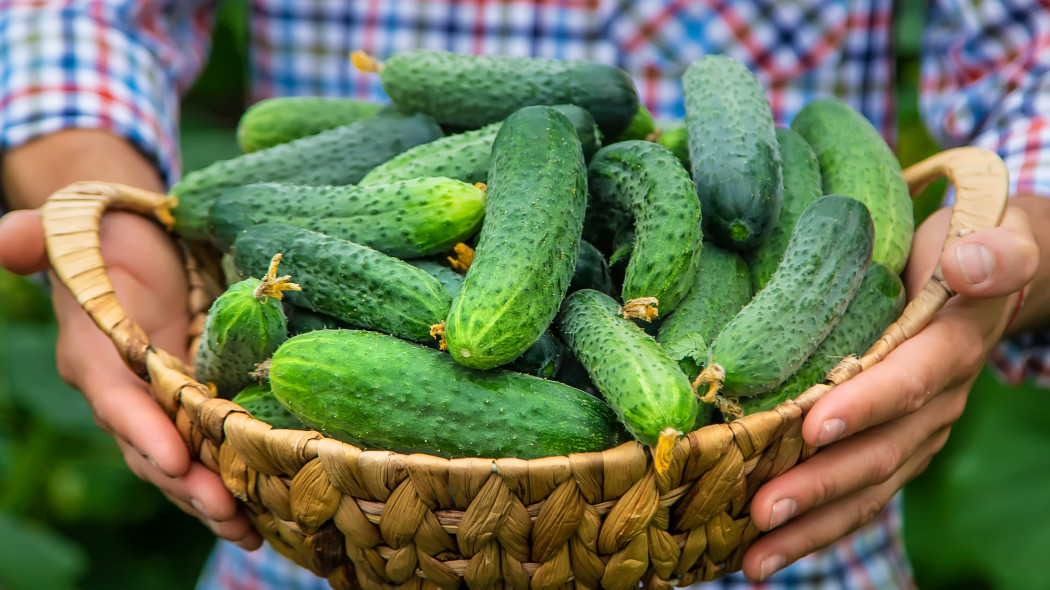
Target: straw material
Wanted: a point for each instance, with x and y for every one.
(376, 519)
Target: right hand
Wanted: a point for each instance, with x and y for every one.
(148, 277)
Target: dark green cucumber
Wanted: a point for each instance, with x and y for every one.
(642, 126)
(878, 303)
(767, 341)
(674, 136)
(856, 161)
(733, 151)
(263, 405)
(592, 270)
(379, 392)
(347, 281)
(448, 277)
(529, 240)
(470, 91)
(643, 385)
(466, 156)
(721, 288)
(281, 119)
(244, 325)
(648, 181)
(802, 186)
(301, 319)
(338, 156)
(406, 219)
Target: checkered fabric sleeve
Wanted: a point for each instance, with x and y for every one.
(117, 66)
(985, 82)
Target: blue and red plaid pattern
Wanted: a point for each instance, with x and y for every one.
(122, 66)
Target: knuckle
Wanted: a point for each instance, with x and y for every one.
(867, 508)
(886, 459)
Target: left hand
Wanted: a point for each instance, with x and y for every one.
(888, 422)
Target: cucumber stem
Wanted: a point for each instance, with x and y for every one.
(463, 258)
(262, 371)
(713, 375)
(729, 407)
(366, 63)
(438, 331)
(664, 450)
(273, 285)
(643, 308)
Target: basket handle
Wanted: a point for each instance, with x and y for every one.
(981, 184)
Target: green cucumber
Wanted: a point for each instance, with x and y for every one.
(529, 240)
(379, 392)
(301, 319)
(243, 327)
(878, 303)
(767, 341)
(348, 281)
(733, 151)
(470, 91)
(338, 156)
(406, 219)
(281, 119)
(263, 405)
(592, 270)
(448, 277)
(720, 289)
(466, 156)
(648, 181)
(674, 136)
(649, 393)
(802, 186)
(642, 126)
(856, 161)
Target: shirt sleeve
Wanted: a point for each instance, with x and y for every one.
(116, 66)
(985, 83)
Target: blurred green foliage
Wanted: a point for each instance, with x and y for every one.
(73, 516)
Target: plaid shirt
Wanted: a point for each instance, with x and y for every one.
(122, 66)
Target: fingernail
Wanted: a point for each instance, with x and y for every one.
(831, 431)
(770, 566)
(782, 511)
(976, 263)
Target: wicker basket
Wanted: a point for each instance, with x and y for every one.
(374, 519)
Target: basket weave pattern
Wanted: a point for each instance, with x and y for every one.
(376, 519)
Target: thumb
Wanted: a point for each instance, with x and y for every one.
(22, 249)
(993, 262)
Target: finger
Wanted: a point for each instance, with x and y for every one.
(22, 249)
(827, 524)
(868, 458)
(994, 262)
(238, 530)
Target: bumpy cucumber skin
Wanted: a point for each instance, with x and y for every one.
(240, 331)
(637, 378)
(406, 219)
(338, 156)
(301, 319)
(733, 151)
(825, 261)
(347, 281)
(802, 186)
(379, 392)
(720, 289)
(856, 161)
(528, 244)
(470, 91)
(592, 270)
(281, 119)
(647, 180)
(260, 401)
(878, 303)
(467, 156)
(675, 137)
(451, 279)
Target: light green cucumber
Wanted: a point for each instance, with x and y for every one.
(878, 303)
(379, 392)
(802, 186)
(650, 394)
(529, 240)
(348, 281)
(405, 219)
(648, 181)
(281, 119)
(261, 403)
(767, 341)
(856, 161)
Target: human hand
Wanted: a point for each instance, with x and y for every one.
(888, 422)
(149, 281)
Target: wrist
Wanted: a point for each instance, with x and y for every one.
(30, 173)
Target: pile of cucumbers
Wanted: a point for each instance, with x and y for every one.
(513, 260)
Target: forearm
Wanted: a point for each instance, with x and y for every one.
(32, 171)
